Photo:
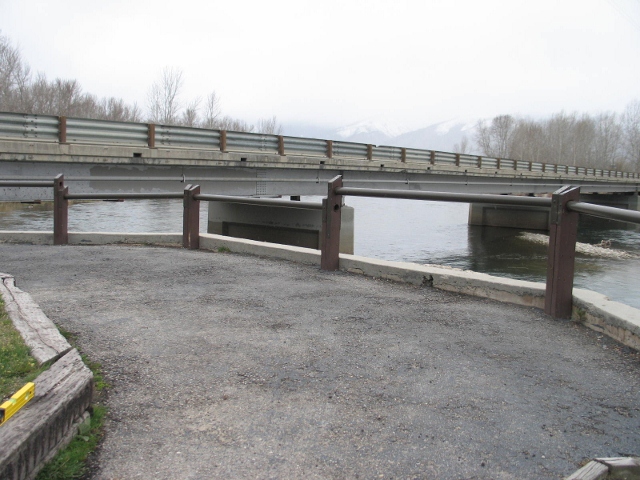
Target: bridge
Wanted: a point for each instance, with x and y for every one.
(106, 156)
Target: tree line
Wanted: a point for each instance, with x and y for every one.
(23, 92)
(608, 140)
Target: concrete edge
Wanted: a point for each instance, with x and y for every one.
(47, 423)
(595, 310)
(615, 319)
(39, 333)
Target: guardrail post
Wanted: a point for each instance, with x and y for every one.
(60, 212)
(281, 145)
(369, 152)
(498, 163)
(151, 135)
(62, 129)
(403, 155)
(223, 140)
(432, 157)
(563, 226)
(457, 159)
(191, 218)
(329, 148)
(479, 162)
(331, 219)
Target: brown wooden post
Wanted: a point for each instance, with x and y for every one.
(403, 155)
(60, 212)
(331, 219)
(281, 145)
(544, 167)
(329, 148)
(432, 157)
(563, 230)
(62, 129)
(498, 163)
(457, 159)
(191, 218)
(223, 140)
(151, 135)
(479, 162)
(369, 152)
(531, 166)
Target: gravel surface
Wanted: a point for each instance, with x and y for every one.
(232, 366)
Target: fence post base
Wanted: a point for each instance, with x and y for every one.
(191, 218)
(60, 212)
(331, 220)
(563, 231)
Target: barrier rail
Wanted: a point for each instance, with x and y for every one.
(564, 210)
(48, 128)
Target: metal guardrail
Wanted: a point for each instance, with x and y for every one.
(564, 210)
(48, 128)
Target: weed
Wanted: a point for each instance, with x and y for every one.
(224, 250)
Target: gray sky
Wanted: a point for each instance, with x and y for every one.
(339, 61)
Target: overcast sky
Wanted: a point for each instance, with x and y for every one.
(334, 62)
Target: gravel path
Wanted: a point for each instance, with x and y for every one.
(231, 366)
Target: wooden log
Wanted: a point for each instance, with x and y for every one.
(34, 434)
(38, 331)
(591, 471)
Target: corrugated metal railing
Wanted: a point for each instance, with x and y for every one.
(48, 128)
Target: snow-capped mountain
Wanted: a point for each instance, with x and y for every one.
(442, 136)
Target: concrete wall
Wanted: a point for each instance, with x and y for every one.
(285, 225)
(527, 218)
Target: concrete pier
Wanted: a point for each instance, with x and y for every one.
(286, 225)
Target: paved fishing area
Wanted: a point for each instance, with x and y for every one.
(231, 366)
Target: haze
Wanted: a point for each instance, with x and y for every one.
(332, 63)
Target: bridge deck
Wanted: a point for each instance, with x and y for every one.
(226, 366)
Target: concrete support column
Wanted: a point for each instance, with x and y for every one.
(528, 218)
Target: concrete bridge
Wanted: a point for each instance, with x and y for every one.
(103, 156)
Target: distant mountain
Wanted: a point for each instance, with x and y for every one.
(439, 136)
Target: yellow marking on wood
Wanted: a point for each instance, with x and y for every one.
(17, 401)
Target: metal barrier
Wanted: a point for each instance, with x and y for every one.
(49, 128)
(564, 210)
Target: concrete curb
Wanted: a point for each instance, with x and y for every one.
(595, 310)
(63, 392)
(39, 333)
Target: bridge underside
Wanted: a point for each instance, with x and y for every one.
(110, 168)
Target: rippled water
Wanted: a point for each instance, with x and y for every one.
(404, 230)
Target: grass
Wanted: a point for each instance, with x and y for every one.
(17, 366)
(224, 249)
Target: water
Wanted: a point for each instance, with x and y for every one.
(390, 229)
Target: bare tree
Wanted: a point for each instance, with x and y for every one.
(233, 124)
(189, 117)
(495, 140)
(607, 140)
(14, 76)
(163, 98)
(269, 125)
(211, 111)
(631, 134)
(462, 147)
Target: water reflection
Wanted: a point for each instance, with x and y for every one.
(390, 229)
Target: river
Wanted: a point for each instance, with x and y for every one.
(390, 229)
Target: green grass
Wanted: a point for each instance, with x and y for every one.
(17, 366)
(224, 249)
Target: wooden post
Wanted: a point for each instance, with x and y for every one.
(563, 230)
(191, 218)
(403, 155)
(457, 159)
(498, 163)
(331, 219)
(62, 129)
(151, 135)
(479, 162)
(432, 157)
(60, 212)
(369, 152)
(329, 148)
(281, 145)
(223, 140)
